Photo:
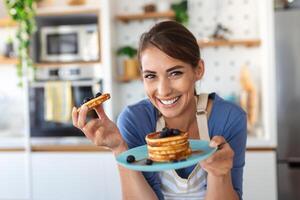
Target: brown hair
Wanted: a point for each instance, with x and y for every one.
(173, 39)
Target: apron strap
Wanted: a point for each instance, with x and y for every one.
(202, 116)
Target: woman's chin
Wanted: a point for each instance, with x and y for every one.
(169, 113)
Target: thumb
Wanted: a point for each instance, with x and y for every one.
(101, 113)
(216, 141)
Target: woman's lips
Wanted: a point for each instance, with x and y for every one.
(168, 103)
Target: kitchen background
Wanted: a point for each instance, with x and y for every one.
(44, 157)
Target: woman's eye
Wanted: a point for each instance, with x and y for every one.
(149, 76)
(176, 73)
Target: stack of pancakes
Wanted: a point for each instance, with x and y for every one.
(170, 147)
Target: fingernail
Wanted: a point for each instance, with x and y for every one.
(212, 144)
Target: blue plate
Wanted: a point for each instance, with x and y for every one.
(141, 153)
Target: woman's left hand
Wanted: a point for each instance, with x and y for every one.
(220, 163)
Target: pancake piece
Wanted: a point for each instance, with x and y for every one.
(95, 101)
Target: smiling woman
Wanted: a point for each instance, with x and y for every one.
(170, 62)
(169, 83)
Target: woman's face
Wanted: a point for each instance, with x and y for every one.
(169, 83)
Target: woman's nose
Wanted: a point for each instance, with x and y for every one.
(164, 87)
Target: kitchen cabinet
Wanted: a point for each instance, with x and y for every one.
(260, 176)
(94, 175)
(74, 176)
(13, 176)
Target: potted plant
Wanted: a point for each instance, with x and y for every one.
(180, 10)
(23, 12)
(130, 63)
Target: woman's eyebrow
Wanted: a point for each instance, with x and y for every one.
(149, 71)
(168, 70)
(175, 67)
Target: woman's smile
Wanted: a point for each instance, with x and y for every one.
(168, 102)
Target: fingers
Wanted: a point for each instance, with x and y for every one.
(221, 161)
(100, 112)
(75, 117)
(82, 117)
(226, 153)
(91, 127)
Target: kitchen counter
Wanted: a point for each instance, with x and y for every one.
(57, 148)
(74, 144)
(13, 145)
(261, 143)
(68, 148)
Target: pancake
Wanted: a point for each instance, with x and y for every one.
(169, 147)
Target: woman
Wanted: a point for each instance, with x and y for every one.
(170, 63)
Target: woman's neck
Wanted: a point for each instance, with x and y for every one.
(185, 120)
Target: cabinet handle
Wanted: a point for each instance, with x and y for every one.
(294, 162)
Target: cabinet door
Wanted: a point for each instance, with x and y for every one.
(75, 176)
(260, 176)
(13, 176)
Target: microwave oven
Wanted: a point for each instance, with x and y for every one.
(69, 43)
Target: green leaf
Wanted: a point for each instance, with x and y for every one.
(127, 51)
(180, 10)
(24, 14)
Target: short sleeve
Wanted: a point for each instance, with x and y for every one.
(134, 123)
(237, 136)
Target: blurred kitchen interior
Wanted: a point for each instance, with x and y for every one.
(82, 47)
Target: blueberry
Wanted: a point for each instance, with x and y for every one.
(174, 161)
(165, 129)
(86, 99)
(149, 162)
(130, 159)
(162, 134)
(169, 132)
(98, 94)
(176, 132)
(183, 159)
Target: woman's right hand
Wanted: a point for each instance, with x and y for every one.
(101, 131)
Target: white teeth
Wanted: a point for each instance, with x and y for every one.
(168, 102)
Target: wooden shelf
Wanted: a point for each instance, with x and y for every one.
(218, 43)
(8, 61)
(7, 22)
(142, 16)
(11, 149)
(66, 10)
(66, 64)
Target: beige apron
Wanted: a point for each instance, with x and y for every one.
(172, 185)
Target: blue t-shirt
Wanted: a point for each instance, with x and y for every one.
(226, 119)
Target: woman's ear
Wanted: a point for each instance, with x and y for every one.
(199, 70)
